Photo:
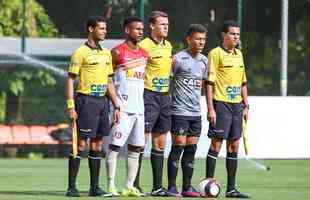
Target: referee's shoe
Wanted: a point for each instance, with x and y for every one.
(236, 194)
(161, 192)
(72, 192)
(96, 191)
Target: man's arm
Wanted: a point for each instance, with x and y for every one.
(244, 95)
(115, 58)
(112, 95)
(70, 95)
(209, 96)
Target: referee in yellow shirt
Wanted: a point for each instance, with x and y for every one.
(93, 65)
(156, 97)
(227, 99)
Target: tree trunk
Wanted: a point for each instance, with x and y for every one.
(13, 109)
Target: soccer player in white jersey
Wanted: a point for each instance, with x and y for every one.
(129, 62)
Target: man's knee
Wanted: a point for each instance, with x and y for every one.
(233, 145)
(113, 147)
(82, 145)
(96, 144)
(136, 149)
(159, 141)
(216, 144)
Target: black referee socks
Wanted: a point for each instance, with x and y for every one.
(157, 161)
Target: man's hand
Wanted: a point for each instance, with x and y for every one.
(117, 116)
(246, 114)
(72, 114)
(212, 116)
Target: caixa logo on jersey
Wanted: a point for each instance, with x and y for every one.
(160, 83)
(98, 89)
(192, 82)
(232, 92)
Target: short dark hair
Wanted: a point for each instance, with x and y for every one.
(196, 28)
(155, 14)
(93, 20)
(229, 23)
(130, 20)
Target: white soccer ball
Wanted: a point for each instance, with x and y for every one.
(209, 188)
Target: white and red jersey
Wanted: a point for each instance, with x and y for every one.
(129, 78)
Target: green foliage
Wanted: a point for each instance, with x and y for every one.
(299, 53)
(2, 106)
(38, 23)
(263, 57)
(263, 64)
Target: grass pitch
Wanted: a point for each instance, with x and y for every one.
(47, 179)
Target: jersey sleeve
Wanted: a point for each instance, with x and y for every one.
(174, 65)
(213, 63)
(76, 63)
(244, 78)
(205, 72)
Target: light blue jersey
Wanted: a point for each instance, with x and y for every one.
(188, 75)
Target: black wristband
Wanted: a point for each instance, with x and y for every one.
(117, 108)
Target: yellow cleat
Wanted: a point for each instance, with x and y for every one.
(131, 192)
(112, 192)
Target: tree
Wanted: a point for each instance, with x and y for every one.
(13, 83)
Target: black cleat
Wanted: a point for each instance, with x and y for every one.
(96, 191)
(72, 192)
(236, 194)
(161, 192)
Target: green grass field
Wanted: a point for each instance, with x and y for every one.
(47, 178)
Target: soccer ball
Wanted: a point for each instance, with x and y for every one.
(209, 188)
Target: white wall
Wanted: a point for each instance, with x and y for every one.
(278, 127)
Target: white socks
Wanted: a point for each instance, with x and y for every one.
(111, 167)
(132, 168)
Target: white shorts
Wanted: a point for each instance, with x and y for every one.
(131, 128)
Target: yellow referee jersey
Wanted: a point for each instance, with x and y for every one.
(227, 72)
(158, 69)
(94, 66)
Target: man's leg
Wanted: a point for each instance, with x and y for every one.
(231, 167)
(157, 159)
(137, 179)
(111, 165)
(132, 165)
(231, 163)
(188, 161)
(214, 149)
(73, 169)
(94, 163)
(232, 152)
(178, 144)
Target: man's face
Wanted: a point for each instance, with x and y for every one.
(135, 31)
(196, 42)
(232, 37)
(99, 32)
(160, 27)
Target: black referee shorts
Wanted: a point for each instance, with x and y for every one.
(93, 116)
(228, 121)
(157, 112)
